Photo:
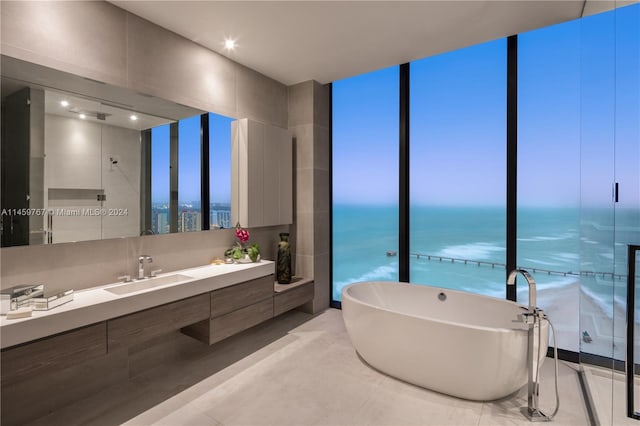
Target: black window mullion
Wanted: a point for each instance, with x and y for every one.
(403, 178)
(512, 160)
(205, 203)
(173, 177)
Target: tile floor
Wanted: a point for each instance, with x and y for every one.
(296, 369)
(608, 392)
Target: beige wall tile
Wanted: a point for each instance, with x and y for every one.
(321, 191)
(166, 65)
(260, 98)
(304, 265)
(59, 35)
(303, 187)
(301, 104)
(321, 235)
(303, 146)
(321, 104)
(304, 234)
(321, 147)
(322, 287)
(91, 263)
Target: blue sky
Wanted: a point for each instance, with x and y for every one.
(578, 103)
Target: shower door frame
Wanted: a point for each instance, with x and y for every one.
(630, 370)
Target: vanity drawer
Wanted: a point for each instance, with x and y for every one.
(53, 353)
(229, 324)
(232, 298)
(289, 299)
(135, 328)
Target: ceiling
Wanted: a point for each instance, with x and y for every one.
(295, 41)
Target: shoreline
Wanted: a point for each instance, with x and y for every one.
(607, 332)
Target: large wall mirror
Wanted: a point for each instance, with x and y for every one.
(83, 160)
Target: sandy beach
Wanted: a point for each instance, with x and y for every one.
(561, 305)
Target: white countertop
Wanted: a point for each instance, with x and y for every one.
(95, 304)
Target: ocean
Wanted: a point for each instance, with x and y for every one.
(559, 246)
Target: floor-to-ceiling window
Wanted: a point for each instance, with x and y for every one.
(457, 166)
(577, 134)
(548, 169)
(365, 178)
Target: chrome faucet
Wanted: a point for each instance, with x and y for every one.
(511, 280)
(141, 260)
(531, 318)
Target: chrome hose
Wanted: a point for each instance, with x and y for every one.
(537, 382)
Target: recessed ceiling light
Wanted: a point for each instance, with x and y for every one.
(64, 103)
(133, 117)
(229, 44)
(82, 116)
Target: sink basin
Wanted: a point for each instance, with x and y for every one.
(148, 283)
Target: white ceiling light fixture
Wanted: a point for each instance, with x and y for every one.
(64, 103)
(83, 116)
(133, 117)
(229, 44)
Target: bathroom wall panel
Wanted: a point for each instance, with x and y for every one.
(321, 105)
(260, 98)
(321, 147)
(304, 234)
(73, 153)
(169, 66)
(301, 110)
(309, 112)
(121, 181)
(85, 38)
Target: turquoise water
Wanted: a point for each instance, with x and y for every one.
(563, 240)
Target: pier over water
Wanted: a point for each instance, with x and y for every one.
(534, 270)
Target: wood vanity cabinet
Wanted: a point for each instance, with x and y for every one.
(53, 353)
(235, 309)
(144, 325)
(241, 306)
(291, 296)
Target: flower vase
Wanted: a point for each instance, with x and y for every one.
(283, 265)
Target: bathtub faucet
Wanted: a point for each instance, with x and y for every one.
(511, 280)
(532, 318)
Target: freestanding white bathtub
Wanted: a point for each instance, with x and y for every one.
(461, 344)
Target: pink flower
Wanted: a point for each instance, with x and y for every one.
(242, 235)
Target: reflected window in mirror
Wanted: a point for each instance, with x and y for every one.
(160, 176)
(220, 171)
(189, 175)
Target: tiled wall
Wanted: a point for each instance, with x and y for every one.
(99, 41)
(91, 263)
(309, 108)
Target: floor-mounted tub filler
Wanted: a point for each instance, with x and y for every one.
(465, 345)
